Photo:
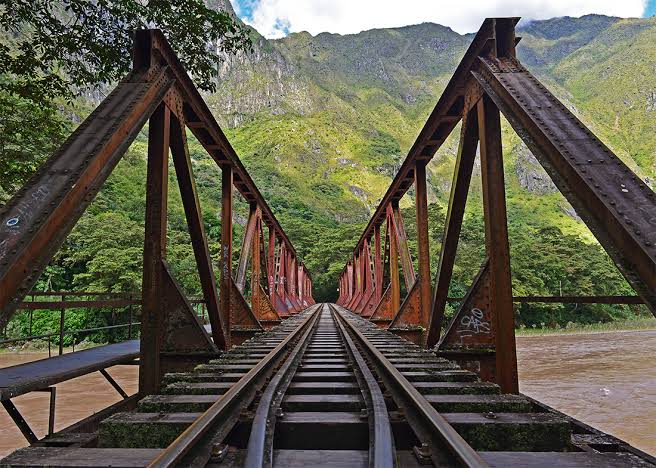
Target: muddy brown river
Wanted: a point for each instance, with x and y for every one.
(604, 379)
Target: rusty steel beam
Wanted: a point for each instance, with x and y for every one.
(423, 248)
(496, 242)
(617, 206)
(153, 281)
(455, 214)
(378, 265)
(395, 287)
(271, 265)
(403, 249)
(246, 245)
(204, 126)
(256, 269)
(225, 295)
(37, 219)
(191, 204)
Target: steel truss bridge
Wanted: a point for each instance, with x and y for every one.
(373, 380)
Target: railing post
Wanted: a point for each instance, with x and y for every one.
(226, 247)
(496, 239)
(154, 250)
(423, 252)
(62, 313)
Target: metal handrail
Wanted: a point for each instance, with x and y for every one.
(67, 332)
(221, 409)
(436, 428)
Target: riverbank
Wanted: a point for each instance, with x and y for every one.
(577, 328)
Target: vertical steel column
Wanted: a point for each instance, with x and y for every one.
(246, 246)
(288, 275)
(256, 268)
(292, 277)
(226, 247)
(378, 265)
(291, 281)
(301, 289)
(423, 252)
(271, 265)
(394, 266)
(349, 282)
(281, 271)
(154, 250)
(340, 297)
(496, 240)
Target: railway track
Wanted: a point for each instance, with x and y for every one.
(327, 388)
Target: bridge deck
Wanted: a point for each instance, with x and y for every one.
(24, 378)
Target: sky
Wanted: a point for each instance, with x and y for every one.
(277, 18)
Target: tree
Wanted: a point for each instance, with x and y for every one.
(51, 51)
(58, 48)
(28, 133)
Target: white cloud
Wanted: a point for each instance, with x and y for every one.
(273, 18)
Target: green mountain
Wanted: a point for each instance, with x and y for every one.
(323, 122)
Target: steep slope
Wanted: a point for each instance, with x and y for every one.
(324, 121)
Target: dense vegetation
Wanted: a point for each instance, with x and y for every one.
(323, 122)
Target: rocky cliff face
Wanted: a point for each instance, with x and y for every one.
(530, 174)
(262, 81)
(340, 112)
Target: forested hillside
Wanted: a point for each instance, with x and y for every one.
(323, 122)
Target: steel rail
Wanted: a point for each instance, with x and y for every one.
(425, 420)
(382, 453)
(229, 403)
(259, 451)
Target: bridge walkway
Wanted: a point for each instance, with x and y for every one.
(41, 375)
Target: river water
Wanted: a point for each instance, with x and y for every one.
(605, 379)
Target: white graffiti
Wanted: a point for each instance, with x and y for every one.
(472, 324)
(24, 211)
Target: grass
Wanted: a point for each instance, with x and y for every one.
(618, 325)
